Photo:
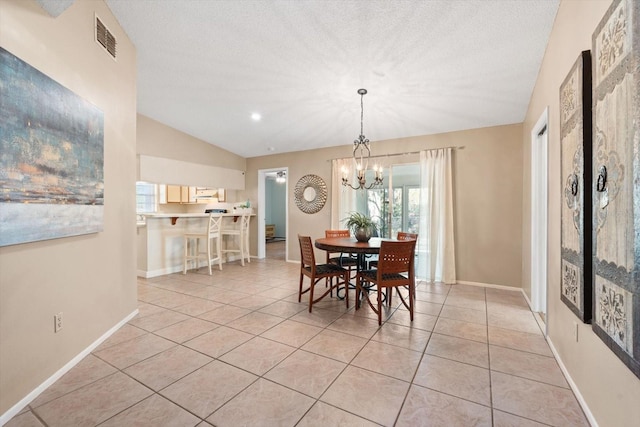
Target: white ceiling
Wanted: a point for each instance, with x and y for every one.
(430, 66)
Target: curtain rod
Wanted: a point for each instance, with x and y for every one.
(453, 147)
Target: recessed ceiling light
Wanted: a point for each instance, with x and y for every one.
(256, 117)
(271, 148)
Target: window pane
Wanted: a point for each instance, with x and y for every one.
(413, 209)
(396, 217)
(377, 208)
(145, 197)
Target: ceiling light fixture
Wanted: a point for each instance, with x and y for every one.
(361, 156)
(281, 177)
(256, 117)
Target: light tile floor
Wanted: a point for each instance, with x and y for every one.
(237, 348)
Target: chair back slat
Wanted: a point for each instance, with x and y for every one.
(336, 233)
(307, 257)
(396, 257)
(407, 236)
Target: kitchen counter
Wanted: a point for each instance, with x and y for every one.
(161, 243)
(174, 216)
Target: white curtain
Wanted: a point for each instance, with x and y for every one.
(343, 199)
(436, 255)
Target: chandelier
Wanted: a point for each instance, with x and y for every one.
(361, 156)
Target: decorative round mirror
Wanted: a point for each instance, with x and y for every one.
(310, 194)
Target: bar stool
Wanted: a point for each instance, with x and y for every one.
(243, 238)
(212, 232)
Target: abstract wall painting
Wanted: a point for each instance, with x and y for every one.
(616, 181)
(575, 142)
(51, 157)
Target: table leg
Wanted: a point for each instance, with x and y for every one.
(361, 265)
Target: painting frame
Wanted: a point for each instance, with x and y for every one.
(52, 167)
(616, 169)
(575, 160)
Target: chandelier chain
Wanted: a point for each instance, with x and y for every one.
(361, 115)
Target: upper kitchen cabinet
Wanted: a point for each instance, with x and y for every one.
(180, 194)
(186, 194)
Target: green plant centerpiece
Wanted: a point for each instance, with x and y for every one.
(361, 226)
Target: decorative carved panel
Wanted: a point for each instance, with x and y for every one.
(616, 181)
(575, 141)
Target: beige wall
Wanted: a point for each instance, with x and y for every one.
(488, 196)
(90, 278)
(610, 390)
(159, 140)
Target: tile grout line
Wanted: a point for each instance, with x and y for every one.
(486, 310)
(296, 348)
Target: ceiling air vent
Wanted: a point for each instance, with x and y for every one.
(105, 38)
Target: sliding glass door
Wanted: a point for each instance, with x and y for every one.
(400, 212)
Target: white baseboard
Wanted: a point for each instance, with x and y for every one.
(489, 285)
(526, 298)
(574, 387)
(160, 272)
(15, 409)
(178, 268)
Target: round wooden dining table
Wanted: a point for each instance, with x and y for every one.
(349, 245)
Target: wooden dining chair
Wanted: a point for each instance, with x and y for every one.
(401, 236)
(317, 272)
(343, 260)
(395, 270)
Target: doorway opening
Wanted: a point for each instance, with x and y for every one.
(273, 213)
(539, 215)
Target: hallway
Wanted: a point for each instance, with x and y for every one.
(275, 249)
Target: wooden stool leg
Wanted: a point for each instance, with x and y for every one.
(247, 246)
(184, 258)
(209, 255)
(219, 251)
(240, 238)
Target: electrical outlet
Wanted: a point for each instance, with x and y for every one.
(57, 322)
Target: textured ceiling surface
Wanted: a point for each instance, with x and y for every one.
(204, 67)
